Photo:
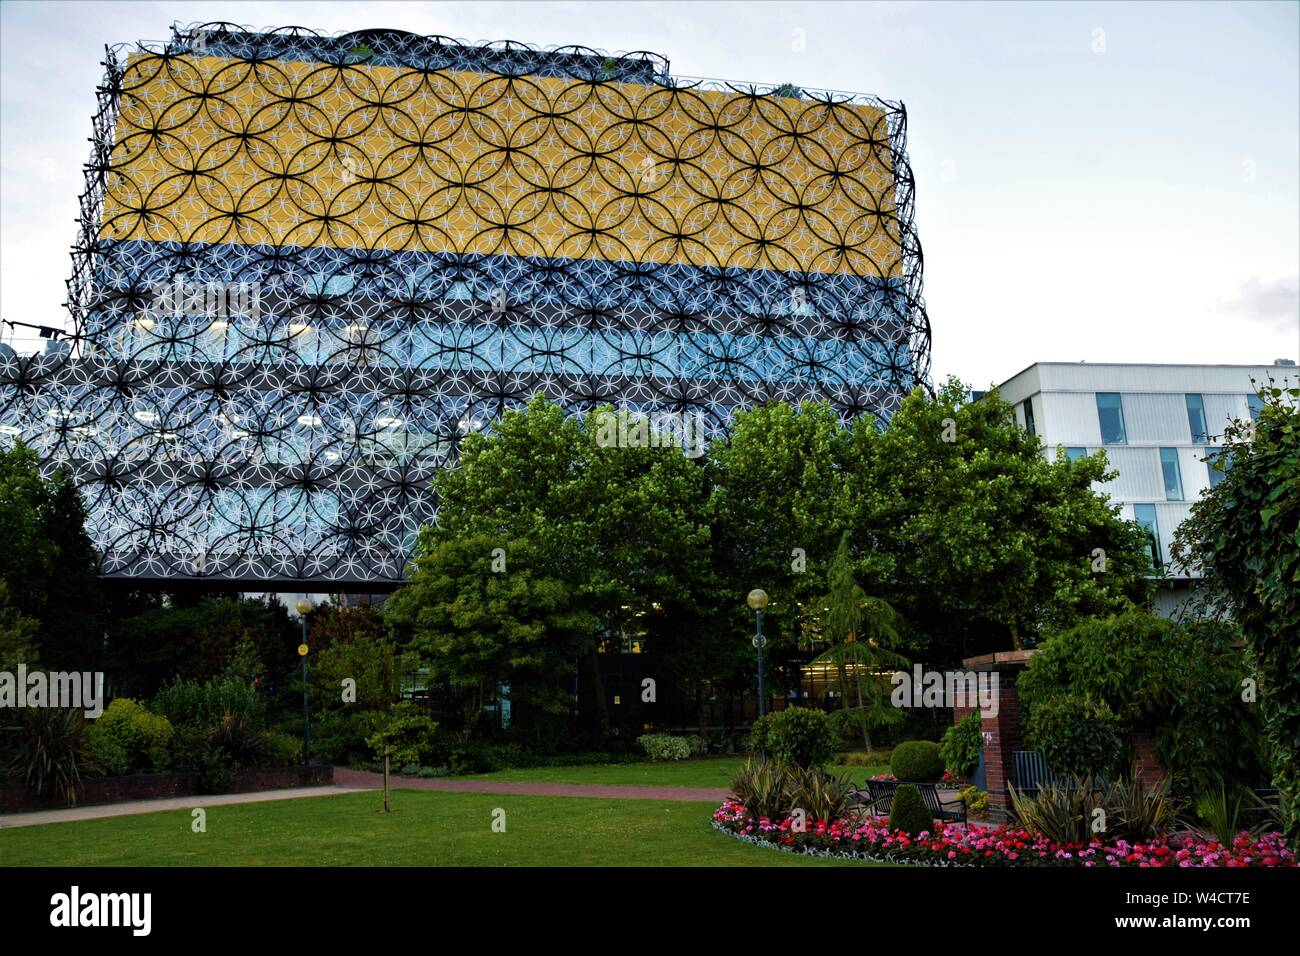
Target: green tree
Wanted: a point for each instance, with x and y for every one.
(978, 540)
(48, 563)
(199, 641)
(375, 663)
(17, 635)
(777, 507)
(476, 627)
(622, 530)
(861, 633)
(1244, 535)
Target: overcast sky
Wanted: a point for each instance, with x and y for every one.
(1109, 182)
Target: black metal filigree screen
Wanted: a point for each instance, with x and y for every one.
(310, 264)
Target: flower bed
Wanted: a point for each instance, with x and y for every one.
(870, 838)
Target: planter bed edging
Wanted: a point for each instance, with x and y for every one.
(97, 791)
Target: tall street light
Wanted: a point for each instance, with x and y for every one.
(304, 608)
(758, 600)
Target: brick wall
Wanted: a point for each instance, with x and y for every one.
(1002, 735)
(1001, 738)
(1147, 767)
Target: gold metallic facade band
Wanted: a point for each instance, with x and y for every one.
(285, 152)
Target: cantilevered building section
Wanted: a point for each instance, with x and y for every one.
(309, 265)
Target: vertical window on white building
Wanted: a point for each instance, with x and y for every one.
(1145, 515)
(1029, 417)
(1074, 453)
(1110, 414)
(1196, 419)
(1256, 406)
(1173, 479)
(1217, 464)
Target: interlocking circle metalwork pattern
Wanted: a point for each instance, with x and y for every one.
(310, 264)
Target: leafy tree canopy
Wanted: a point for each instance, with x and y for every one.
(979, 540)
(1244, 535)
(48, 566)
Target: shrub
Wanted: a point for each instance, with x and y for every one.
(1138, 813)
(1062, 812)
(796, 736)
(189, 747)
(761, 787)
(473, 756)
(52, 751)
(429, 773)
(1066, 812)
(234, 737)
(216, 773)
(698, 745)
(664, 746)
(340, 739)
(130, 739)
(909, 812)
(281, 750)
(976, 800)
(1245, 535)
(722, 742)
(1075, 736)
(960, 748)
(918, 761)
(1183, 680)
(819, 794)
(190, 703)
(107, 756)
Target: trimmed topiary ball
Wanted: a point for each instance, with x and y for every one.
(918, 761)
(909, 812)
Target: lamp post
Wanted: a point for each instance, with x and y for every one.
(304, 608)
(758, 600)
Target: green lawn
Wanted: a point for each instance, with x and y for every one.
(700, 772)
(425, 829)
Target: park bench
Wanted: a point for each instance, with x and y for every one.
(880, 800)
(1030, 771)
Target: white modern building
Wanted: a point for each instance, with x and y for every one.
(1158, 424)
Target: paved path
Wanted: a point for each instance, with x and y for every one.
(370, 781)
(350, 781)
(37, 817)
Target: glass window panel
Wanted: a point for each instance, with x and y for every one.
(1173, 479)
(1212, 457)
(1196, 419)
(1145, 515)
(1256, 405)
(1110, 414)
(1029, 417)
(1074, 454)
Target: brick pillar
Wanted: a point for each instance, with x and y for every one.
(1146, 767)
(1001, 737)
